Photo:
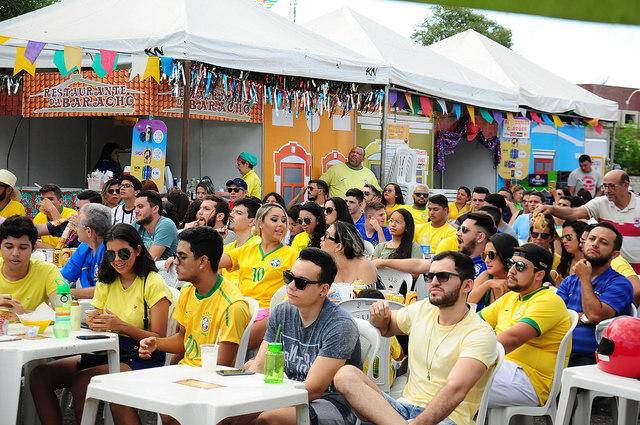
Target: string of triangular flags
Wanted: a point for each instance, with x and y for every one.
(415, 103)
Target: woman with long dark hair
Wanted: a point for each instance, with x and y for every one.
(110, 160)
(392, 198)
(336, 209)
(345, 244)
(491, 284)
(571, 250)
(311, 218)
(204, 188)
(274, 198)
(132, 299)
(401, 244)
(462, 204)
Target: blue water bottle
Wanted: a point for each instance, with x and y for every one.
(62, 325)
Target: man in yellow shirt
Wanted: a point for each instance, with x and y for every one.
(9, 196)
(51, 209)
(210, 309)
(438, 229)
(419, 208)
(530, 322)
(245, 164)
(342, 177)
(29, 282)
(241, 221)
(451, 353)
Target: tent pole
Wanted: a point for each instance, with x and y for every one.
(613, 144)
(383, 159)
(186, 99)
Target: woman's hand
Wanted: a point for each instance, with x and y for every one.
(106, 322)
(147, 346)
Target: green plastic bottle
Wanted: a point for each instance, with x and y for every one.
(274, 364)
(62, 325)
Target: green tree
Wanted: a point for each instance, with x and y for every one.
(12, 8)
(627, 150)
(445, 21)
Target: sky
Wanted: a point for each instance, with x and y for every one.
(581, 52)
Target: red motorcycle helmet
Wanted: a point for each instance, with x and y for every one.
(619, 349)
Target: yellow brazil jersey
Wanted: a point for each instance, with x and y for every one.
(261, 273)
(42, 218)
(449, 244)
(128, 304)
(419, 216)
(455, 213)
(233, 276)
(547, 313)
(436, 235)
(254, 185)
(301, 241)
(223, 310)
(12, 208)
(341, 177)
(35, 288)
(622, 266)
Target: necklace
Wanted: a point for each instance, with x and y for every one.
(429, 363)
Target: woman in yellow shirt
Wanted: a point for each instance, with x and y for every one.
(392, 198)
(130, 299)
(461, 205)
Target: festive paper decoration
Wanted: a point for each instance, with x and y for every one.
(153, 69)
(592, 122)
(393, 98)
(510, 119)
(401, 102)
(486, 115)
(556, 121)
(407, 96)
(472, 114)
(33, 50)
(58, 60)
(97, 66)
(108, 61)
(23, 63)
(598, 128)
(3, 39)
(497, 115)
(547, 120)
(443, 105)
(458, 109)
(447, 141)
(73, 57)
(425, 104)
(472, 131)
(138, 65)
(166, 66)
(536, 118)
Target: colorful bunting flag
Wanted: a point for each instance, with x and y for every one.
(23, 63)
(73, 57)
(415, 100)
(472, 114)
(497, 115)
(97, 67)
(153, 69)
(393, 98)
(472, 131)
(510, 119)
(33, 50)
(443, 105)
(576, 121)
(138, 66)
(166, 65)
(523, 112)
(536, 118)
(598, 128)
(58, 61)
(3, 39)
(593, 121)
(547, 120)
(486, 115)
(425, 104)
(401, 103)
(407, 96)
(108, 60)
(557, 121)
(458, 109)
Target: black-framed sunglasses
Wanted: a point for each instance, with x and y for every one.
(328, 210)
(491, 255)
(520, 265)
(366, 193)
(544, 235)
(305, 220)
(421, 195)
(443, 277)
(124, 254)
(300, 282)
(234, 189)
(331, 238)
(180, 257)
(112, 191)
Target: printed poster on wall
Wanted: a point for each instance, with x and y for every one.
(515, 158)
(521, 128)
(148, 151)
(397, 135)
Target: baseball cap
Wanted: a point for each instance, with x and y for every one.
(10, 179)
(238, 182)
(541, 258)
(248, 158)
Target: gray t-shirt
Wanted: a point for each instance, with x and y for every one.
(334, 334)
(581, 180)
(506, 228)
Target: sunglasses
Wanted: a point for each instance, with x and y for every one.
(300, 282)
(491, 255)
(331, 238)
(388, 190)
(306, 221)
(421, 195)
(443, 277)
(520, 265)
(181, 257)
(112, 191)
(537, 235)
(234, 189)
(567, 238)
(124, 254)
(366, 193)
(465, 229)
(328, 210)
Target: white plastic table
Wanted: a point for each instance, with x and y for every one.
(157, 390)
(15, 354)
(593, 379)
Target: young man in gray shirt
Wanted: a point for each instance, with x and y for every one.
(318, 338)
(585, 177)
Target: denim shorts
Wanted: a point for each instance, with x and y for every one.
(410, 411)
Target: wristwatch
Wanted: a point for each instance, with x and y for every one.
(584, 319)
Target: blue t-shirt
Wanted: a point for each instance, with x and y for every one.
(522, 226)
(479, 265)
(360, 220)
(374, 238)
(611, 288)
(83, 265)
(164, 234)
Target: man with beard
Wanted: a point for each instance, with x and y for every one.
(342, 177)
(158, 233)
(530, 322)
(473, 235)
(419, 208)
(447, 380)
(596, 291)
(317, 191)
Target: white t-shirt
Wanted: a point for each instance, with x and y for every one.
(581, 180)
(120, 215)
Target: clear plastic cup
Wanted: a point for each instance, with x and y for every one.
(209, 357)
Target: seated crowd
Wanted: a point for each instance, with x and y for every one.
(500, 268)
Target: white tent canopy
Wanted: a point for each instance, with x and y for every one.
(239, 34)
(538, 88)
(413, 66)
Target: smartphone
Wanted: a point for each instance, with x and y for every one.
(234, 372)
(85, 337)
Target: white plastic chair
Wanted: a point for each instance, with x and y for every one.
(392, 277)
(170, 277)
(484, 401)
(634, 311)
(278, 297)
(422, 289)
(502, 415)
(370, 340)
(403, 170)
(358, 308)
(368, 248)
(241, 355)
